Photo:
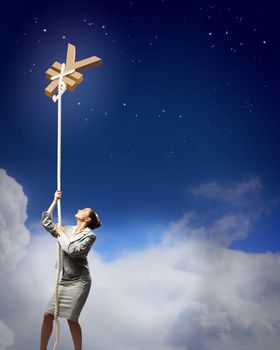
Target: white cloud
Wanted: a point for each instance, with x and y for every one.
(188, 292)
(6, 336)
(13, 237)
(231, 192)
(222, 230)
(13, 234)
(193, 294)
(226, 211)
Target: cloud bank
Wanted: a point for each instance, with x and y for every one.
(14, 237)
(190, 291)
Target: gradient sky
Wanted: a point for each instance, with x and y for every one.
(187, 93)
(174, 137)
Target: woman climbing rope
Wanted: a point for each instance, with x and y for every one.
(74, 286)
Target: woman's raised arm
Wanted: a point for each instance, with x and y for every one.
(47, 220)
(57, 195)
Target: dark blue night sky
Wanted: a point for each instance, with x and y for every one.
(187, 95)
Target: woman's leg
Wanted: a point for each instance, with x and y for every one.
(46, 330)
(76, 332)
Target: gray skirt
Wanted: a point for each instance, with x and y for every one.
(72, 295)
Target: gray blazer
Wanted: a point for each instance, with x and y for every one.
(75, 247)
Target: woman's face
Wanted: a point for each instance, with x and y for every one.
(82, 214)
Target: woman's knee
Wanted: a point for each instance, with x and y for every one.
(71, 321)
(48, 316)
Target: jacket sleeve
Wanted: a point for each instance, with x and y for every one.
(48, 224)
(76, 248)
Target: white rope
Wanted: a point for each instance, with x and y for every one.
(61, 89)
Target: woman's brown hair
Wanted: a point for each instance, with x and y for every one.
(95, 222)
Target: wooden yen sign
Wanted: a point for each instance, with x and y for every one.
(72, 71)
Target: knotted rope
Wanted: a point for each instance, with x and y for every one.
(61, 89)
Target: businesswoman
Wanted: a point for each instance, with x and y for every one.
(74, 286)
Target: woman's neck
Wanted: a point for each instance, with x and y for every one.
(80, 226)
